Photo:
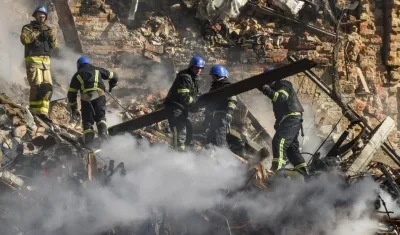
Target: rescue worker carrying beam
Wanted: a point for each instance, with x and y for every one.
(180, 100)
(288, 113)
(93, 100)
(39, 41)
(219, 113)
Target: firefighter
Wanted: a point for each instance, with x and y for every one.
(288, 113)
(181, 99)
(39, 41)
(219, 113)
(93, 100)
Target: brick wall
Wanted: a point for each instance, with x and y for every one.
(106, 41)
(173, 39)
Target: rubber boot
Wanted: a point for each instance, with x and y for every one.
(304, 172)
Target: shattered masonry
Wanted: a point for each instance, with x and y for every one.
(168, 35)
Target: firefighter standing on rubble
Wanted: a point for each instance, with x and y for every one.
(181, 99)
(39, 41)
(288, 113)
(93, 100)
(219, 113)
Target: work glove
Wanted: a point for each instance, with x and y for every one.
(35, 34)
(229, 118)
(262, 88)
(111, 85)
(194, 108)
(44, 28)
(75, 115)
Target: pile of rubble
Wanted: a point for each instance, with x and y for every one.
(31, 147)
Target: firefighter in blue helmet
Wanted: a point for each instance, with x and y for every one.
(180, 100)
(288, 113)
(219, 113)
(39, 41)
(88, 80)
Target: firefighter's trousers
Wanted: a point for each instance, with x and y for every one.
(285, 145)
(94, 111)
(219, 128)
(181, 127)
(41, 87)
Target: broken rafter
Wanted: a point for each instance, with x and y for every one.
(225, 92)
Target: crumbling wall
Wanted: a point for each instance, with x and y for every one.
(248, 44)
(107, 42)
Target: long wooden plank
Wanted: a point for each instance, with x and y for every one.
(375, 142)
(222, 93)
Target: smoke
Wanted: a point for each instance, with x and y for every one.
(158, 78)
(157, 178)
(160, 181)
(113, 118)
(261, 107)
(14, 15)
(325, 204)
(64, 66)
(11, 49)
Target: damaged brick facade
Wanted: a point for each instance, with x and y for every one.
(249, 44)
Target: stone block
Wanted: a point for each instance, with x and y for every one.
(154, 48)
(81, 19)
(394, 58)
(395, 75)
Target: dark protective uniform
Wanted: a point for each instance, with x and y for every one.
(39, 41)
(93, 101)
(219, 115)
(288, 122)
(181, 96)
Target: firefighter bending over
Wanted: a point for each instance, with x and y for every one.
(219, 113)
(39, 41)
(288, 113)
(179, 101)
(93, 100)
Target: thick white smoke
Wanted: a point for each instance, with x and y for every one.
(181, 185)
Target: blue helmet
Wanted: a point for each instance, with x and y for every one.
(42, 9)
(82, 60)
(197, 61)
(219, 71)
(268, 69)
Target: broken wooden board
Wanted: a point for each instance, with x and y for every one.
(221, 93)
(262, 132)
(362, 79)
(379, 136)
(253, 145)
